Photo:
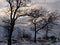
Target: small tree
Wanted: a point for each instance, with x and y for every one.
(51, 21)
(35, 14)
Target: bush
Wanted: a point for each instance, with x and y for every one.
(51, 37)
(27, 36)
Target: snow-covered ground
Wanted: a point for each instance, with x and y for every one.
(18, 32)
(32, 43)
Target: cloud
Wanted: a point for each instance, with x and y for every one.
(3, 12)
(51, 4)
(3, 3)
(1, 0)
(55, 5)
(43, 1)
(51, 1)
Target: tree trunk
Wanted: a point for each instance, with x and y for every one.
(46, 32)
(35, 34)
(9, 38)
(10, 34)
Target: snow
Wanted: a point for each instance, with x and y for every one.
(29, 43)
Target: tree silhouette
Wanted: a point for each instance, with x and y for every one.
(14, 7)
(51, 21)
(35, 14)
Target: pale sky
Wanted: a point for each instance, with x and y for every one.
(44, 1)
(52, 4)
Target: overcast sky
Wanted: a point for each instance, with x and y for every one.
(52, 4)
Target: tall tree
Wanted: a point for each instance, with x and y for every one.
(13, 8)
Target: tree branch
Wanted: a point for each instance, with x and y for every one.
(42, 27)
(11, 8)
(18, 5)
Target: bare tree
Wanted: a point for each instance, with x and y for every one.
(14, 6)
(47, 17)
(50, 21)
(35, 14)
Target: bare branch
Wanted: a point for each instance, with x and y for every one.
(17, 7)
(42, 27)
(11, 8)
